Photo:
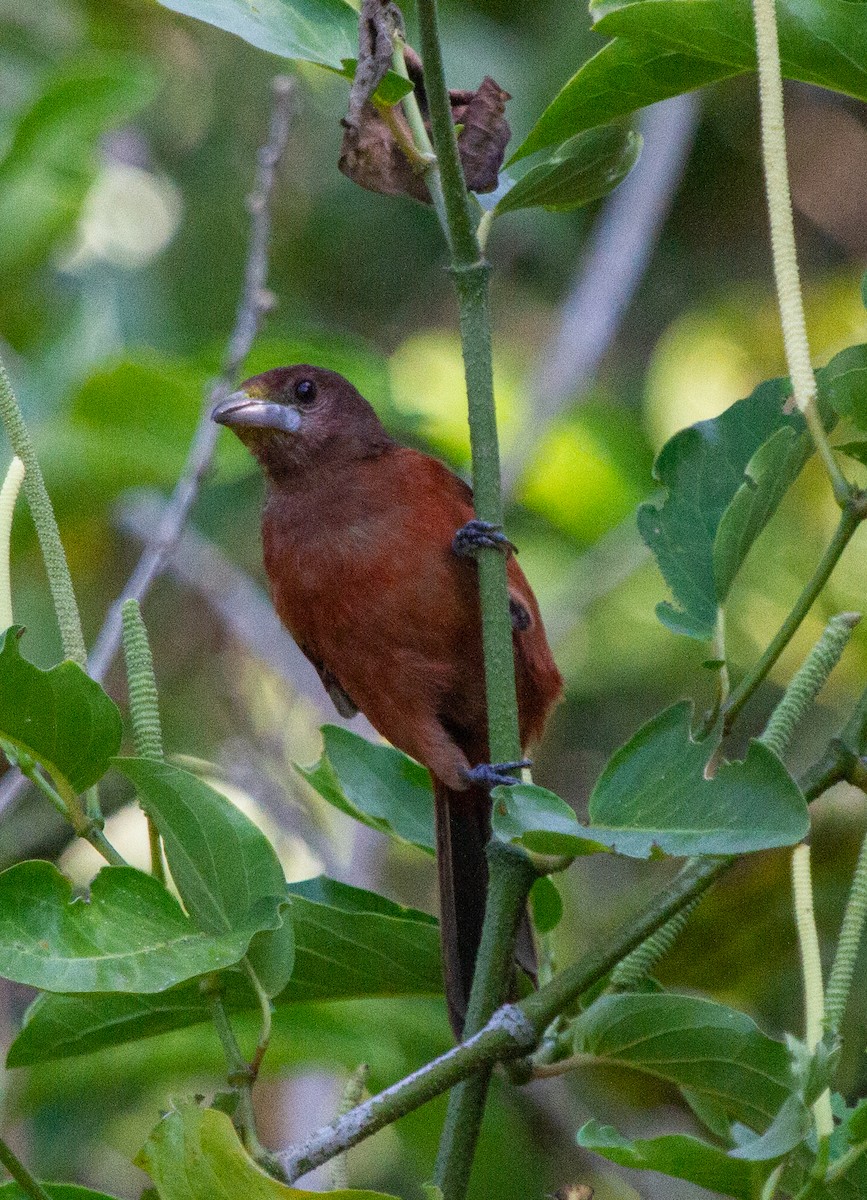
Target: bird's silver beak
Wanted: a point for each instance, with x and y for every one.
(252, 412)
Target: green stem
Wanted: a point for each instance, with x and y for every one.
(851, 517)
(241, 1076)
(784, 250)
(39, 502)
(423, 145)
(845, 1162)
(264, 1038)
(69, 807)
(471, 281)
(517, 1028)
(470, 273)
(808, 681)
(21, 1175)
(511, 875)
(143, 708)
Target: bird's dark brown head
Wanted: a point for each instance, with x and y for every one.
(302, 417)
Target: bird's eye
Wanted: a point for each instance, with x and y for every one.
(305, 391)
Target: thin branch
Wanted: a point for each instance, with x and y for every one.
(854, 512)
(617, 258)
(255, 302)
(516, 1028)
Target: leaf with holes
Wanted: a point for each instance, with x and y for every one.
(130, 935)
(60, 717)
(349, 944)
(705, 469)
(653, 794)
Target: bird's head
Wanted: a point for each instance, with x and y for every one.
(292, 418)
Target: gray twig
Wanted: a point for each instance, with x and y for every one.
(256, 300)
(620, 250)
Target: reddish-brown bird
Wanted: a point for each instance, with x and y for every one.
(359, 544)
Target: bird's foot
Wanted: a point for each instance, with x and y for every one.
(481, 535)
(490, 775)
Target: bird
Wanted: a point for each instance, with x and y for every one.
(369, 548)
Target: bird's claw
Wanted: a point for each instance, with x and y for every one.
(481, 535)
(490, 775)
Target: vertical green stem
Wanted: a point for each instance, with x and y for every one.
(21, 1175)
(470, 272)
(56, 566)
(511, 877)
(471, 281)
(143, 708)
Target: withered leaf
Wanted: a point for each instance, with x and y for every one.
(371, 153)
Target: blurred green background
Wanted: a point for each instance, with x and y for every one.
(127, 146)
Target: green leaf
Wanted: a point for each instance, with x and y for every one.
(59, 717)
(767, 477)
(678, 1155)
(52, 158)
(390, 90)
(692, 1043)
(57, 1191)
(846, 386)
(705, 469)
(195, 1154)
(349, 944)
(537, 819)
(131, 935)
(856, 1124)
(223, 865)
(856, 450)
(546, 905)
(581, 170)
(664, 47)
(317, 31)
(789, 1128)
(653, 794)
(376, 784)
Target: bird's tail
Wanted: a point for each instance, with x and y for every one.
(463, 828)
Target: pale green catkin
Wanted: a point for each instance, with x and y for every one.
(141, 682)
(633, 969)
(144, 708)
(39, 502)
(848, 946)
(808, 682)
(8, 496)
